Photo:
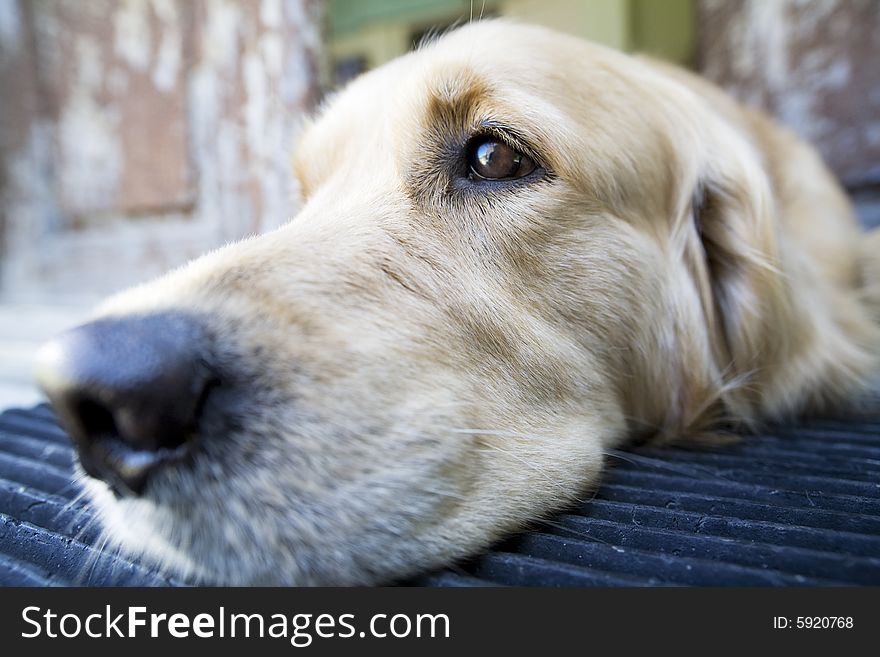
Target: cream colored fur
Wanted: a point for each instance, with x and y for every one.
(426, 365)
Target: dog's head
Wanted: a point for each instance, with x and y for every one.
(515, 250)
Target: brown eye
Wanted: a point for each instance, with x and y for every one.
(494, 160)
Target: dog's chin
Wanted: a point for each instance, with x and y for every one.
(206, 533)
(161, 538)
(139, 528)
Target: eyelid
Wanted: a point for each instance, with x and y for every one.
(507, 135)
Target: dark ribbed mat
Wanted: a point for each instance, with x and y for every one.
(797, 505)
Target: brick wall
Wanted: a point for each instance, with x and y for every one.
(137, 134)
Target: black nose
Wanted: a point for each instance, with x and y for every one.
(129, 391)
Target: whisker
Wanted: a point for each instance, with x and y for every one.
(575, 532)
(616, 454)
(514, 434)
(530, 465)
(74, 505)
(504, 433)
(686, 469)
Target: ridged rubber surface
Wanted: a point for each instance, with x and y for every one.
(797, 505)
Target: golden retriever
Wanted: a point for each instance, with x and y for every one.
(517, 250)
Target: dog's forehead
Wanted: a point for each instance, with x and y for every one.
(457, 64)
(462, 66)
(493, 70)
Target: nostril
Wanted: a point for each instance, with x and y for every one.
(96, 420)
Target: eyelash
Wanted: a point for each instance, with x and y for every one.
(506, 135)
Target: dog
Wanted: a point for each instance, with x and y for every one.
(517, 250)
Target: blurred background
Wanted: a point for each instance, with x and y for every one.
(137, 134)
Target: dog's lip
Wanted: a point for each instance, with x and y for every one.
(125, 469)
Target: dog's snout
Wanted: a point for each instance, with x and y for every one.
(129, 390)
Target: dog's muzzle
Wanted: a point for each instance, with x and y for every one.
(130, 392)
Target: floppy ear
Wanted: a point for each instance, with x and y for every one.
(781, 335)
(728, 237)
(739, 249)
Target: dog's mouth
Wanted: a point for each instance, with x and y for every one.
(258, 511)
(126, 470)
